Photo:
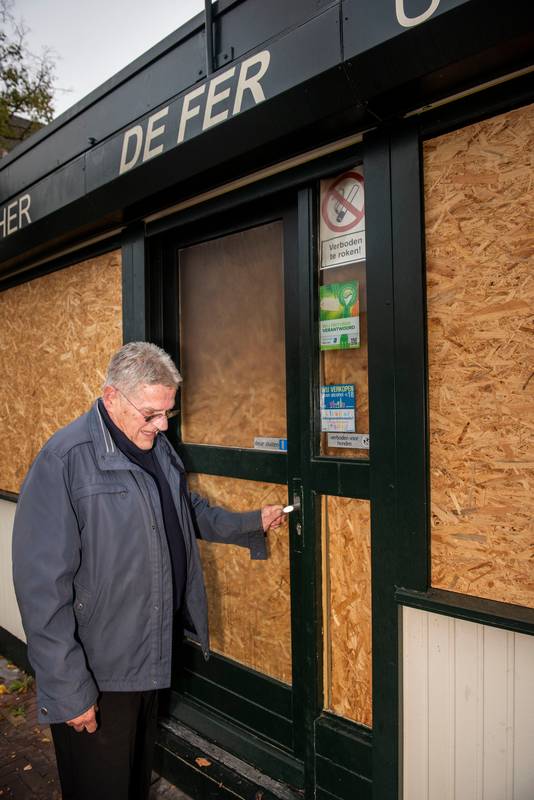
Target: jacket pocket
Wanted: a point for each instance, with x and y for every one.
(99, 488)
(83, 605)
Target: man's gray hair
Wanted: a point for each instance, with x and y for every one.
(141, 362)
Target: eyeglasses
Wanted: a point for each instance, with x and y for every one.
(151, 417)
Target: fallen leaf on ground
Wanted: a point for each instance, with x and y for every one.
(202, 762)
(3, 689)
(27, 767)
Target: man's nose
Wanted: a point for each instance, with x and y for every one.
(161, 423)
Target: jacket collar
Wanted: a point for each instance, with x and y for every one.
(107, 453)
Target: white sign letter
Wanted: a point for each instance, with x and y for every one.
(253, 83)
(12, 214)
(24, 209)
(188, 113)
(152, 132)
(137, 131)
(213, 98)
(409, 22)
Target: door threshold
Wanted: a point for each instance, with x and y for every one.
(207, 772)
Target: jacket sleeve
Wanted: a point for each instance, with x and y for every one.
(218, 525)
(46, 555)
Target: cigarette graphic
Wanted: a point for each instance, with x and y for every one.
(341, 208)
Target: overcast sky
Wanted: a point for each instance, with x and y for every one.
(91, 40)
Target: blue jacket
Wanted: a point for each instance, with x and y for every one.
(92, 570)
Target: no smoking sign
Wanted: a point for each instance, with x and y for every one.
(343, 219)
(343, 203)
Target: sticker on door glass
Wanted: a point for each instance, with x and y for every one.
(339, 311)
(356, 441)
(338, 407)
(272, 443)
(342, 228)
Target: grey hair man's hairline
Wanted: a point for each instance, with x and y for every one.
(138, 363)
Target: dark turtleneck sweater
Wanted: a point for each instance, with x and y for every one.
(147, 460)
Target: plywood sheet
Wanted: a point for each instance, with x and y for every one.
(232, 338)
(479, 201)
(248, 601)
(57, 333)
(347, 607)
(349, 366)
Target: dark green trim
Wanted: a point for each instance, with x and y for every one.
(345, 743)
(473, 609)
(234, 462)
(15, 650)
(238, 709)
(11, 497)
(347, 785)
(342, 478)
(236, 678)
(56, 263)
(134, 310)
(384, 541)
(306, 605)
(322, 794)
(290, 180)
(235, 739)
(478, 106)
(412, 523)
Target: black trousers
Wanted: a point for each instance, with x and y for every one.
(115, 762)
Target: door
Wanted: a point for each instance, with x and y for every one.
(274, 409)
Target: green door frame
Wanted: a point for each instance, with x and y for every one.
(296, 741)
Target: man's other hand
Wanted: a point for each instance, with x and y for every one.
(86, 721)
(272, 517)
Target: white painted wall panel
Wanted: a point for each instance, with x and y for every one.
(524, 717)
(9, 611)
(440, 650)
(468, 710)
(416, 700)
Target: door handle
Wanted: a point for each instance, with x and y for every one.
(294, 507)
(297, 520)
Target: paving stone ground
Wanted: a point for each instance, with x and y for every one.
(27, 761)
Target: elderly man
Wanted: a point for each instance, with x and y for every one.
(104, 556)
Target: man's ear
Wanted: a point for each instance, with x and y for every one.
(109, 396)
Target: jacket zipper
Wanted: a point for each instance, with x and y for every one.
(154, 528)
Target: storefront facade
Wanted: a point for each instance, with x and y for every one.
(323, 212)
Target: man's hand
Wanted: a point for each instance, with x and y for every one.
(86, 721)
(272, 517)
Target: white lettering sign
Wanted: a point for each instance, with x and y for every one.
(152, 133)
(409, 22)
(210, 102)
(15, 215)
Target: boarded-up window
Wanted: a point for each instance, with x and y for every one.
(248, 601)
(347, 607)
(57, 333)
(479, 206)
(232, 338)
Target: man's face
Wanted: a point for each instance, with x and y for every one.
(128, 411)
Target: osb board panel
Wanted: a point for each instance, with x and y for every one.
(349, 366)
(347, 607)
(232, 338)
(57, 333)
(248, 601)
(479, 196)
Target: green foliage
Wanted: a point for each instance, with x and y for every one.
(26, 80)
(21, 686)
